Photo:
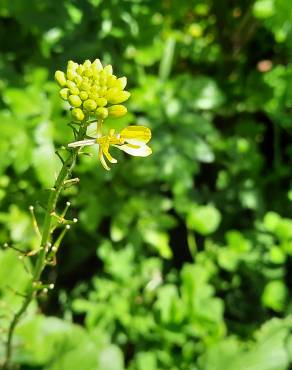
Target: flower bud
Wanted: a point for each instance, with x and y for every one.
(89, 105)
(71, 74)
(88, 72)
(85, 86)
(101, 102)
(64, 93)
(121, 83)
(96, 65)
(111, 81)
(94, 89)
(72, 65)
(77, 114)
(102, 91)
(73, 88)
(75, 101)
(83, 95)
(87, 64)
(108, 69)
(120, 97)
(101, 113)
(117, 111)
(80, 69)
(60, 78)
(78, 80)
(102, 80)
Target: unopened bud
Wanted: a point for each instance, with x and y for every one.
(101, 102)
(120, 97)
(73, 88)
(87, 63)
(64, 93)
(121, 83)
(75, 101)
(117, 111)
(96, 65)
(89, 105)
(108, 69)
(101, 113)
(83, 95)
(77, 114)
(60, 78)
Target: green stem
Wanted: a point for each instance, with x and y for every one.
(65, 172)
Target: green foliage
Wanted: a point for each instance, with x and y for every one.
(182, 260)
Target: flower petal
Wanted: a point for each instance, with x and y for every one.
(140, 133)
(105, 149)
(80, 143)
(142, 151)
(102, 160)
(92, 130)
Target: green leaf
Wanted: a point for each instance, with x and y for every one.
(203, 219)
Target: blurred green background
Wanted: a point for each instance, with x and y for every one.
(180, 261)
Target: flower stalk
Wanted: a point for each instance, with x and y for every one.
(41, 261)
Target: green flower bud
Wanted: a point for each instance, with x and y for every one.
(71, 74)
(83, 95)
(94, 89)
(89, 87)
(87, 64)
(101, 102)
(102, 91)
(88, 72)
(75, 101)
(64, 93)
(121, 83)
(80, 69)
(77, 114)
(117, 111)
(73, 88)
(72, 65)
(120, 97)
(101, 113)
(111, 93)
(85, 86)
(78, 80)
(111, 81)
(96, 66)
(93, 95)
(108, 69)
(60, 78)
(102, 81)
(89, 105)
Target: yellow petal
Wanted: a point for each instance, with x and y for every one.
(105, 149)
(142, 151)
(102, 160)
(140, 133)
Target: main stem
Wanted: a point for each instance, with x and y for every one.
(65, 172)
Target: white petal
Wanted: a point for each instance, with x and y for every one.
(136, 142)
(80, 143)
(92, 130)
(142, 151)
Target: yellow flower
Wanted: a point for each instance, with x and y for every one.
(93, 89)
(132, 140)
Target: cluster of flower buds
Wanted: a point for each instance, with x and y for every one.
(92, 90)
